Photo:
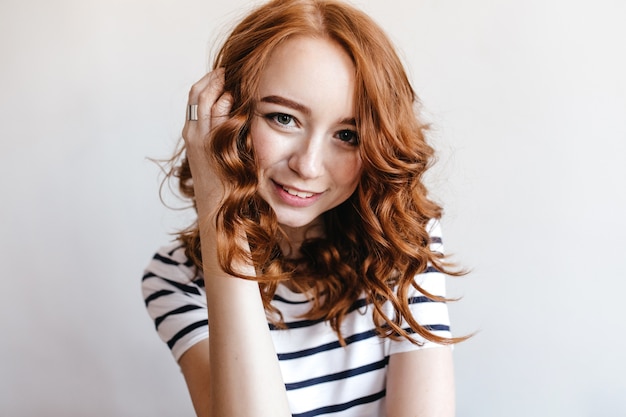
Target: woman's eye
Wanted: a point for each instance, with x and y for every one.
(349, 136)
(281, 118)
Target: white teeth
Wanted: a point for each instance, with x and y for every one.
(300, 194)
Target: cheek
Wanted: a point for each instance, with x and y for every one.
(349, 170)
(261, 143)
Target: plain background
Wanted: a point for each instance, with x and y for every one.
(528, 104)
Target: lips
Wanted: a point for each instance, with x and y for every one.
(295, 197)
(301, 194)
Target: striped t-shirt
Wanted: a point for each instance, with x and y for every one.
(322, 377)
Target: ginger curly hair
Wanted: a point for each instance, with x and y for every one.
(376, 241)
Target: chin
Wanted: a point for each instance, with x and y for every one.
(295, 223)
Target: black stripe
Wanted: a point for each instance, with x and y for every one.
(185, 331)
(328, 346)
(188, 289)
(438, 327)
(148, 275)
(156, 295)
(171, 253)
(284, 300)
(430, 327)
(436, 239)
(355, 306)
(296, 324)
(420, 299)
(361, 302)
(306, 323)
(342, 407)
(339, 375)
(188, 263)
(163, 259)
(180, 310)
(349, 340)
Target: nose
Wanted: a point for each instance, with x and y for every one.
(307, 158)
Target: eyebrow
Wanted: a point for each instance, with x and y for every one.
(282, 101)
(287, 103)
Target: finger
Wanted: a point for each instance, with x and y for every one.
(204, 82)
(221, 109)
(210, 95)
(204, 94)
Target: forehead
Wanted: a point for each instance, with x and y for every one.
(311, 71)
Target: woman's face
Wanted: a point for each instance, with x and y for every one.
(304, 131)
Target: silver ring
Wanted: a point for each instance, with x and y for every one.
(192, 112)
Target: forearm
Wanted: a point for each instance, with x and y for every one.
(245, 376)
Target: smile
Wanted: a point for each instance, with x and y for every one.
(295, 197)
(301, 194)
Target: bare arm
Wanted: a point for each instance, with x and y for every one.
(196, 368)
(244, 378)
(421, 384)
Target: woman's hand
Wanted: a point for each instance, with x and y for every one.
(213, 106)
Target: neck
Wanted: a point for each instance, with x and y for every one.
(294, 236)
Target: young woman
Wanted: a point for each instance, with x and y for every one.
(316, 258)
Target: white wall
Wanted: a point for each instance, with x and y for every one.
(528, 99)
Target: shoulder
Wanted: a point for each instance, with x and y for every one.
(173, 293)
(170, 267)
(171, 260)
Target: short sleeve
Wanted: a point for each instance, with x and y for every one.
(175, 299)
(427, 312)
